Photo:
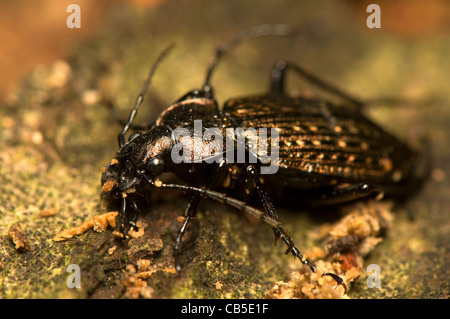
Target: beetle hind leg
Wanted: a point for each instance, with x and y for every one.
(278, 76)
(347, 194)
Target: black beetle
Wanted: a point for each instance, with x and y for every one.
(327, 153)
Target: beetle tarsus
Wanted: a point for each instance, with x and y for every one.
(338, 280)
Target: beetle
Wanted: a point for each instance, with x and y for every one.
(328, 153)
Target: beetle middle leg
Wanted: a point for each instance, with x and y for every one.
(279, 230)
(269, 208)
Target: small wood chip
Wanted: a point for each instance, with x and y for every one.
(98, 223)
(138, 233)
(19, 237)
(117, 234)
(109, 185)
(112, 250)
(48, 212)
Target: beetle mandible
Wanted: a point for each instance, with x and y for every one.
(328, 153)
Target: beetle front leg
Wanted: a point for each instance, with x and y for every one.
(191, 212)
(123, 215)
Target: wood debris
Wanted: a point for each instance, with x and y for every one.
(348, 241)
(98, 223)
(19, 237)
(48, 212)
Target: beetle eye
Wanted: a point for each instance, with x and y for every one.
(156, 166)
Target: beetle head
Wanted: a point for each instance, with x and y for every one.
(141, 159)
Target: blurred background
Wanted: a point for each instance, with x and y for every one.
(35, 33)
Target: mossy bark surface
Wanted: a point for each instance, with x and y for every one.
(56, 135)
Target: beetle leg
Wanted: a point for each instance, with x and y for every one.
(278, 76)
(134, 217)
(191, 212)
(269, 208)
(279, 231)
(304, 260)
(116, 116)
(352, 192)
(251, 33)
(123, 215)
(242, 206)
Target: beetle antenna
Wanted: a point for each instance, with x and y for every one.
(141, 95)
(251, 33)
(222, 198)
